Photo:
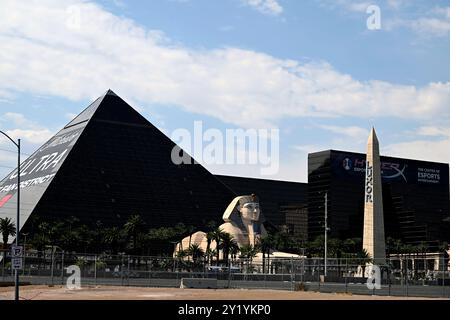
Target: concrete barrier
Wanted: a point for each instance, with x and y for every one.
(198, 283)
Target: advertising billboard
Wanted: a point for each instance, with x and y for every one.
(353, 166)
(39, 169)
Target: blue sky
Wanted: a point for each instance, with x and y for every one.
(310, 68)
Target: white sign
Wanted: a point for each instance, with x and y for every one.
(17, 263)
(16, 251)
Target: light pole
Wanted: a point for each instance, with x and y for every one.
(17, 144)
(326, 233)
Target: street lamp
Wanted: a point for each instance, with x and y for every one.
(17, 144)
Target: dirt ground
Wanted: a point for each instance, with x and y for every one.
(137, 293)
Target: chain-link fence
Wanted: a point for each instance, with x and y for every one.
(400, 276)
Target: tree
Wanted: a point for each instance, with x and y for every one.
(7, 228)
(363, 258)
(316, 248)
(112, 237)
(210, 253)
(209, 238)
(423, 248)
(133, 227)
(266, 245)
(248, 252)
(190, 230)
(227, 241)
(195, 252)
(234, 250)
(217, 237)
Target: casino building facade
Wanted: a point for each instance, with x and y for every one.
(415, 197)
(110, 162)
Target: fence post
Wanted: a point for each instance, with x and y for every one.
(229, 273)
(265, 276)
(121, 269)
(303, 269)
(53, 266)
(318, 275)
(62, 268)
(95, 270)
(128, 271)
(347, 273)
(443, 275)
(292, 275)
(3, 264)
(407, 277)
(389, 276)
(24, 260)
(150, 273)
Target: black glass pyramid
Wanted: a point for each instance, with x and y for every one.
(110, 163)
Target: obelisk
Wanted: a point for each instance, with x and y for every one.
(373, 237)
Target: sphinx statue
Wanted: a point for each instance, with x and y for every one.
(243, 220)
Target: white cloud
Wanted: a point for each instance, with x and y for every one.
(434, 131)
(348, 5)
(433, 26)
(271, 7)
(32, 136)
(442, 11)
(438, 151)
(242, 87)
(357, 133)
(397, 4)
(17, 119)
(25, 129)
(434, 23)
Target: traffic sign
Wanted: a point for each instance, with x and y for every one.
(17, 263)
(16, 251)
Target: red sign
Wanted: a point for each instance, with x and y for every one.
(5, 200)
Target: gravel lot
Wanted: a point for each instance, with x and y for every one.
(137, 293)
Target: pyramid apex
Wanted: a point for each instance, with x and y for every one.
(110, 93)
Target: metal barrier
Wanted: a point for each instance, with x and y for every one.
(399, 277)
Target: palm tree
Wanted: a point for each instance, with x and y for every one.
(7, 228)
(248, 252)
(210, 253)
(227, 242)
(195, 252)
(266, 245)
(190, 230)
(234, 250)
(363, 258)
(423, 248)
(133, 227)
(209, 239)
(111, 237)
(217, 237)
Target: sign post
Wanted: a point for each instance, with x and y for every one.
(17, 257)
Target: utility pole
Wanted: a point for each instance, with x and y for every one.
(17, 283)
(17, 144)
(326, 233)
